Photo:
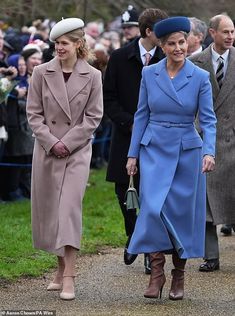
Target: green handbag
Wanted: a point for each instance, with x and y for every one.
(131, 198)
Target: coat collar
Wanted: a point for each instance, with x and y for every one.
(205, 61)
(166, 84)
(77, 81)
(228, 82)
(134, 52)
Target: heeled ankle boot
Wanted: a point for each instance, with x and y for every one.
(157, 278)
(177, 283)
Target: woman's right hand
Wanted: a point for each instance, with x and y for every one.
(131, 166)
(208, 163)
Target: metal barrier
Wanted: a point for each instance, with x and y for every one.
(12, 165)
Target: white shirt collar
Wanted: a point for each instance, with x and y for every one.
(215, 59)
(199, 50)
(215, 55)
(143, 51)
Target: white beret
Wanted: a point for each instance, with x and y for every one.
(64, 26)
(30, 46)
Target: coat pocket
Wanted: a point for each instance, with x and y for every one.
(191, 143)
(84, 92)
(146, 138)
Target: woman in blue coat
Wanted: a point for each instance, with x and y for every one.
(172, 158)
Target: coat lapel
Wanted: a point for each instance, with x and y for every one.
(157, 56)
(204, 61)
(78, 79)
(228, 83)
(167, 85)
(55, 80)
(134, 51)
(164, 82)
(183, 76)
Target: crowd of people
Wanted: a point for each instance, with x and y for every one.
(168, 92)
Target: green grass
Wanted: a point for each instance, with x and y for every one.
(102, 226)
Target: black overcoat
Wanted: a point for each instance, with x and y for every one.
(121, 92)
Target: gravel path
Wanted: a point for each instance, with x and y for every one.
(105, 286)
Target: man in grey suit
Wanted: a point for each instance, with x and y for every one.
(219, 60)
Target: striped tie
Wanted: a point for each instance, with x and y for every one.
(220, 71)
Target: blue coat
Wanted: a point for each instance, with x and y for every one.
(170, 150)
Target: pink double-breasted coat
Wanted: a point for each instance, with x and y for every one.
(69, 112)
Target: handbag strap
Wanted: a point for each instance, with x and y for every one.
(131, 182)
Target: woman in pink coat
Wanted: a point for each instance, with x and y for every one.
(64, 108)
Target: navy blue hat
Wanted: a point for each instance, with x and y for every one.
(130, 17)
(171, 25)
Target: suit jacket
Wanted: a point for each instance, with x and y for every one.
(221, 182)
(121, 92)
(69, 112)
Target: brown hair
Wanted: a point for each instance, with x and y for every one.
(148, 18)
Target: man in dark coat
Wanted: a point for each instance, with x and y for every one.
(121, 91)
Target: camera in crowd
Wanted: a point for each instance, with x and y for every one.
(6, 72)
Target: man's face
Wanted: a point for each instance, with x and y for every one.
(130, 31)
(194, 41)
(224, 36)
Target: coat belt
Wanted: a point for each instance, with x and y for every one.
(171, 124)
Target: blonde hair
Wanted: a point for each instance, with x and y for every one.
(83, 50)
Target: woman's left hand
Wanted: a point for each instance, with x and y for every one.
(208, 163)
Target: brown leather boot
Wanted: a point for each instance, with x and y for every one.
(157, 278)
(177, 283)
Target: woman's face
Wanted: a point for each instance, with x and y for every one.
(33, 60)
(21, 67)
(175, 47)
(65, 48)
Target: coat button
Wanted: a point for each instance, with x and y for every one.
(68, 123)
(53, 122)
